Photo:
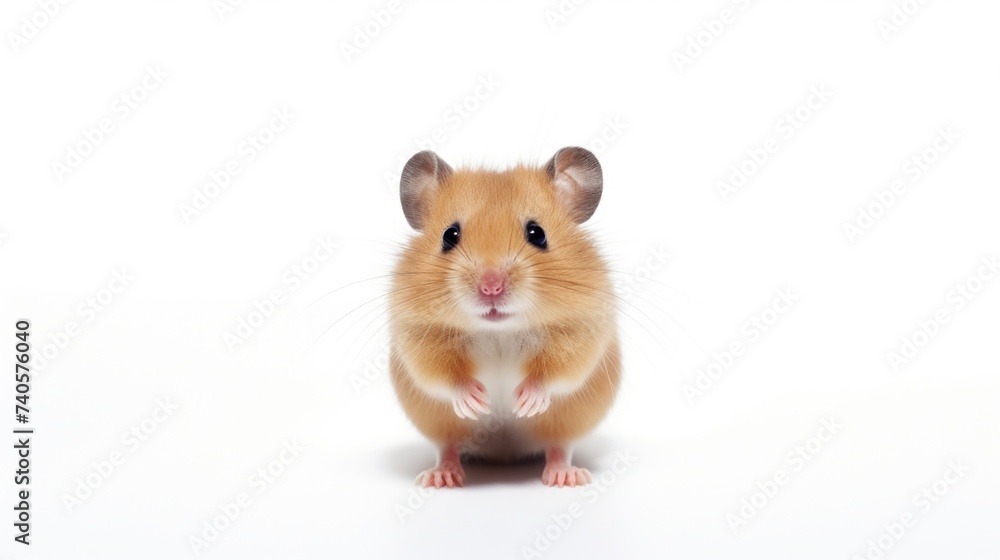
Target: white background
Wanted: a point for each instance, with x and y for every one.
(675, 133)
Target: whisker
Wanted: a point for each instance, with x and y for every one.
(368, 302)
(617, 296)
(637, 322)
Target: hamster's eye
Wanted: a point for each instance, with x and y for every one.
(535, 235)
(450, 238)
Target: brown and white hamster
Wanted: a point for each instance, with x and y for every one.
(503, 333)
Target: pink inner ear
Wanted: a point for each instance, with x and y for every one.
(566, 188)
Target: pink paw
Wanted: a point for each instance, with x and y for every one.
(530, 398)
(566, 475)
(469, 399)
(445, 474)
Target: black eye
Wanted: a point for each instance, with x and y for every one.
(450, 238)
(535, 235)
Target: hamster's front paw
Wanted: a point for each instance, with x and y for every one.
(470, 398)
(530, 398)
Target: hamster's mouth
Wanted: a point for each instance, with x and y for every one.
(495, 315)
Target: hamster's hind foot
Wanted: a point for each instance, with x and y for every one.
(558, 471)
(448, 471)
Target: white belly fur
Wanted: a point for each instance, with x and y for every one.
(500, 359)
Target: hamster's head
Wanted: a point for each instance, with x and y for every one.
(500, 249)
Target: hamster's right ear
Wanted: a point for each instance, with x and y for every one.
(578, 180)
(422, 175)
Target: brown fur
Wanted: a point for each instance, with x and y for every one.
(571, 311)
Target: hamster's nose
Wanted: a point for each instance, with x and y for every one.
(492, 284)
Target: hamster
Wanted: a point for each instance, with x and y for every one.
(502, 324)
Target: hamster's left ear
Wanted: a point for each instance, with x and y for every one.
(578, 180)
(421, 176)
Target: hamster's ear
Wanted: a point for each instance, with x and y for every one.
(578, 180)
(421, 177)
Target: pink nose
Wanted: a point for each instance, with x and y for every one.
(492, 284)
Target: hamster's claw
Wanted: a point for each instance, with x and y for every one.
(566, 475)
(446, 474)
(530, 399)
(470, 399)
